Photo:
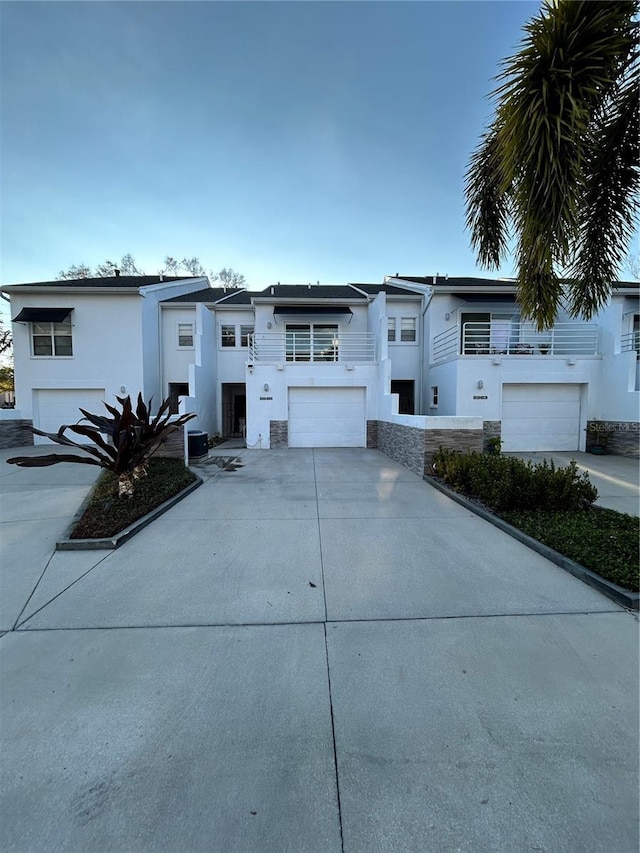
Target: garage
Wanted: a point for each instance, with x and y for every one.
(540, 417)
(56, 406)
(327, 417)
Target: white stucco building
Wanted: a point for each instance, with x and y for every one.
(328, 365)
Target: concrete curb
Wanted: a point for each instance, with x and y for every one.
(111, 542)
(616, 593)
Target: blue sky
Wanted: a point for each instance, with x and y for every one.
(292, 141)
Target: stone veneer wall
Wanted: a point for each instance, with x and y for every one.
(491, 429)
(623, 436)
(403, 443)
(173, 445)
(372, 434)
(464, 440)
(15, 433)
(415, 448)
(279, 433)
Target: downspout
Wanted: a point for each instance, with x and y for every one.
(425, 350)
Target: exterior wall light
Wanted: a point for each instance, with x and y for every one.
(266, 386)
(479, 384)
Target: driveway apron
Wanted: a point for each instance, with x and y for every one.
(315, 651)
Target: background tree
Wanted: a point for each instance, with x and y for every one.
(229, 278)
(171, 266)
(5, 338)
(558, 167)
(6, 378)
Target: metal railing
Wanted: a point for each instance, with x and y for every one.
(500, 337)
(630, 341)
(316, 346)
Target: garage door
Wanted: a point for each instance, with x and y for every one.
(540, 417)
(54, 407)
(327, 417)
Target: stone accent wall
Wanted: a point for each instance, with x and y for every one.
(404, 444)
(279, 433)
(464, 440)
(173, 445)
(372, 434)
(623, 436)
(491, 429)
(15, 433)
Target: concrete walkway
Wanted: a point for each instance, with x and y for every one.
(315, 652)
(617, 478)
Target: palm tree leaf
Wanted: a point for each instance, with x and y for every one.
(51, 459)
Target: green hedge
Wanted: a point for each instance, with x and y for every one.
(508, 483)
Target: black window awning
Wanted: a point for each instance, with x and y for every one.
(311, 309)
(42, 315)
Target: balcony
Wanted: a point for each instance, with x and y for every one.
(316, 346)
(510, 338)
(630, 342)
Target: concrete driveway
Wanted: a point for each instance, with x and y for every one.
(315, 652)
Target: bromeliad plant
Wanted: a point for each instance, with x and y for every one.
(132, 437)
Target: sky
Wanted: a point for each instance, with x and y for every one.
(292, 141)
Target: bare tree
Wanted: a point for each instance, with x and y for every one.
(229, 278)
(172, 266)
(6, 340)
(192, 266)
(80, 271)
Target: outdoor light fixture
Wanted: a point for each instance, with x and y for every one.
(479, 384)
(266, 386)
(122, 389)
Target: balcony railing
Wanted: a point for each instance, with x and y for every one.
(321, 347)
(631, 341)
(507, 338)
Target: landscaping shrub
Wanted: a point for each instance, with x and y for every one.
(106, 514)
(603, 540)
(124, 442)
(507, 483)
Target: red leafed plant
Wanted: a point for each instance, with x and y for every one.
(124, 440)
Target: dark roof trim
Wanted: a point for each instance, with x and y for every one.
(310, 309)
(42, 315)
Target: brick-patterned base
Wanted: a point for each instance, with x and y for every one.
(173, 445)
(464, 440)
(372, 434)
(16, 433)
(623, 437)
(279, 433)
(490, 429)
(402, 443)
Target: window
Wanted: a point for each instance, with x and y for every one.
(312, 342)
(228, 336)
(391, 328)
(52, 339)
(434, 396)
(245, 331)
(185, 335)
(408, 329)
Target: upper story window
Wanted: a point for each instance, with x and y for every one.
(402, 330)
(312, 342)
(408, 329)
(245, 331)
(52, 339)
(228, 336)
(235, 335)
(185, 335)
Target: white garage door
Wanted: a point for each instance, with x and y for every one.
(327, 417)
(540, 417)
(54, 407)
